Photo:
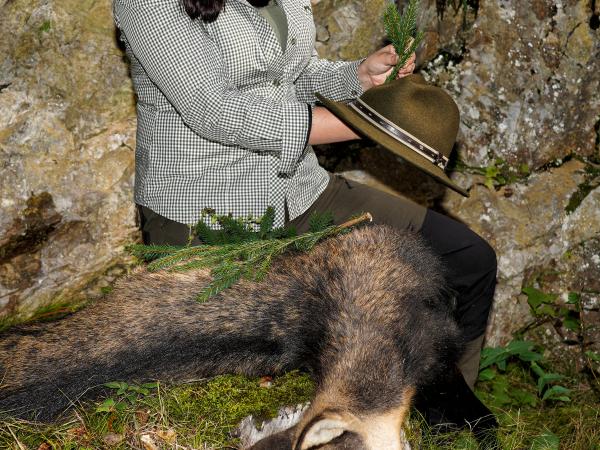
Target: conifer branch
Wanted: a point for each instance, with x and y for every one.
(237, 251)
(401, 30)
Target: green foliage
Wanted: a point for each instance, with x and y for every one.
(53, 311)
(45, 27)
(202, 414)
(320, 221)
(591, 181)
(237, 230)
(496, 359)
(128, 394)
(499, 173)
(237, 250)
(400, 30)
(546, 441)
(545, 305)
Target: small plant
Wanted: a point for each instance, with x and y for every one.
(544, 306)
(401, 30)
(499, 173)
(128, 395)
(525, 353)
(45, 27)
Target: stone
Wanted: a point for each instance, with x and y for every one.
(525, 76)
(67, 134)
(520, 79)
(529, 230)
(345, 28)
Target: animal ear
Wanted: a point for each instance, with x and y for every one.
(321, 431)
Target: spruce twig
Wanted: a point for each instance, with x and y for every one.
(239, 251)
(401, 30)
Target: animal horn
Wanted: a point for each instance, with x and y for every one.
(323, 429)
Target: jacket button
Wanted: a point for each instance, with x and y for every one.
(276, 82)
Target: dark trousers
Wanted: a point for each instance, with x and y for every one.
(470, 259)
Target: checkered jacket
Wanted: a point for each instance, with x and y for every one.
(224, 114)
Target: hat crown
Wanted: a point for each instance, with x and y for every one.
(426, 112)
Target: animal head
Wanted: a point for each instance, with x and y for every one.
(334, 429)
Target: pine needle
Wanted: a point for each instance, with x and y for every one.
(401, 30)
(237, 251)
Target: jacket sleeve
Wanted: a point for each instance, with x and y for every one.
(186, 66)
(336, 80)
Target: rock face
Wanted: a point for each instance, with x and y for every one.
(67, 129)
(526, 77)
(527, 82)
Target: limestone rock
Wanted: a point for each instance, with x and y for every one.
(348, 29)
(526, 81)
(526, 77)
(67, 133)
(530, 229)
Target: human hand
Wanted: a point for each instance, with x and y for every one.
(374, 70)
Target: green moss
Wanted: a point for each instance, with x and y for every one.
(45, 27)
(204, 414)
(201, 414)
(46, 313)
(591, 182)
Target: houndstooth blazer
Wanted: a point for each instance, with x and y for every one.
(224, 114)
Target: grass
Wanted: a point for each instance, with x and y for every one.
(197, 415)
(204, 414)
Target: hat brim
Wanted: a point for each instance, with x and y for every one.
(362, 126)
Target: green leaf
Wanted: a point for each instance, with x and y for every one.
(546, 379)
(557, 393)
(572, 323)
(546, 441)
(523, 350)
(492, 355)
(116, 385)
(537, 369)
(487, 374)
(547, 310)
(153, 385)
(573, 298)
(535, 297)
(106, 406)
(516, 347)
(524, 169)
(593, 355)
(121, 406)
(501, 365)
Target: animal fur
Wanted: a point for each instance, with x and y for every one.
(367, 312)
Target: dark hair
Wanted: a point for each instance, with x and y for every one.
(209, 10)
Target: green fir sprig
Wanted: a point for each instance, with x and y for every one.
(401, 30)
(237, 250)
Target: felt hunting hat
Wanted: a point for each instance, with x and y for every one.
(409, 117)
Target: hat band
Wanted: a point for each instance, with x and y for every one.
(398, 133)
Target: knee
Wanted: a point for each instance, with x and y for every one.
(486, 257)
